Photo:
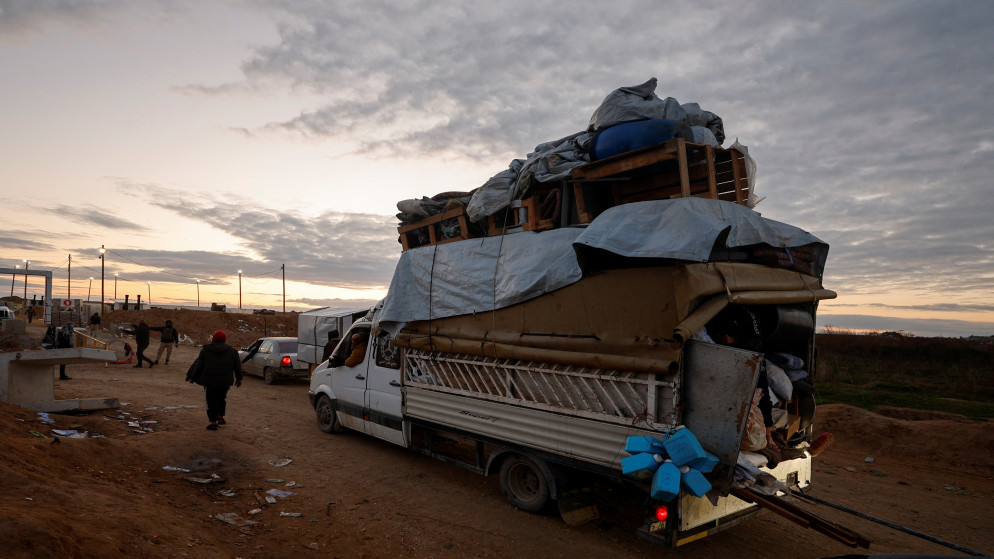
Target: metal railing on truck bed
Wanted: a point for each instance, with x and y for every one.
(623, 397)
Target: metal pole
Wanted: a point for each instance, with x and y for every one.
(102, 299)
(886, 523)
(88, 288)
(198, 294)
(283, 267)
(115, 288)
(149, 294)
(69, 280)
(13, 278)
(239, 290)
(26, 264)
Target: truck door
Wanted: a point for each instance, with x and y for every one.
(383, 396)
(349, 385)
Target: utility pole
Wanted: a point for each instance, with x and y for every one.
(283, 267)
(69, 281)
(102, 251)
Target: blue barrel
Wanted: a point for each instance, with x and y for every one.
(629, 136)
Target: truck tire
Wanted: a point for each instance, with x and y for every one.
(268, 375)
(524, 483)
(327, 419)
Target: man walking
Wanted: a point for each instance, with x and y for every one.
(168, 339)
(141, 333)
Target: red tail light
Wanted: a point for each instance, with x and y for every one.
(285, 361)
(661, 513)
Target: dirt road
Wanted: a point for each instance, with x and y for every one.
(358, 497)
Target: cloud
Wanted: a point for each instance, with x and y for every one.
(347, 250)
(88, 215)
(930, 327)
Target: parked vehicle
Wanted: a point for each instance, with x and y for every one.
(273, 359)
(6, 313)
(537, 355)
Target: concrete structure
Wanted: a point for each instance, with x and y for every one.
(27, 378)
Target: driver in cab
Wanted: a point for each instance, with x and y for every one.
(358, 349)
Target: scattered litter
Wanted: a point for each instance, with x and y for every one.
(291, 514)
(125, 403)
(212, 478)
(19, 419)
(28, 499)
(175, 469)
(149, 421)
(280, 493)
(274, 480)
(259, 498)
(312, 520)
(953, 488)
(270, 500)
(234, 519)
(37, 434)
(850, 469)
(290, 484)
(226, 493)
(868, 459)
(133, 424)
(70, 433)
(879, 474)
(43, 417)
(153, 408)
(280, 463)
(254, 512)
(312, 545)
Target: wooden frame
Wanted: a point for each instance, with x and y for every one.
(672, 169)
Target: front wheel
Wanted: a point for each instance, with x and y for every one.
(327, 420)
(524, 483)
(268, 375)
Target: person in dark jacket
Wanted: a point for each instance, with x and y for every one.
(170, 338)
(141, 340)
(219, 368)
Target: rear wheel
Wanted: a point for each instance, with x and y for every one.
(268, 375)
(524, 483)
(327, 420)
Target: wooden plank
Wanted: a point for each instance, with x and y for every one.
(681, 157)
(709, 163)
(627, 161)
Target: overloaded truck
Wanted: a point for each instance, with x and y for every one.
(635, 296)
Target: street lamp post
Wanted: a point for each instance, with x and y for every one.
(102, 299)
(88, 288)
(239, 290)
(115, 288)
(149, 294)
(26, 264)
(13, 278)
(198, 294)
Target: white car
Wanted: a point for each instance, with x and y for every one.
(273, 359)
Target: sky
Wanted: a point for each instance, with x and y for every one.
(196, 139)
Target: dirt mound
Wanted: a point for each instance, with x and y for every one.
(952, 442)
(241, 329)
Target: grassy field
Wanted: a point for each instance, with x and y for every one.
(939, 374)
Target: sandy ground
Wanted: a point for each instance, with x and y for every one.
(359, 497)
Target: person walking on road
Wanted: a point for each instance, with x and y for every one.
(141, 333)
(168, 339)
(219, 368)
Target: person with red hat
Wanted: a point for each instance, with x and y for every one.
(219, 367)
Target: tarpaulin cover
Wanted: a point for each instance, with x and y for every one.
(480, 275)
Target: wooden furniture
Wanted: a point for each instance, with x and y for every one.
(410, 236)
(673, 169)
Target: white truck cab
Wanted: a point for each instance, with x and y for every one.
(365, 397)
